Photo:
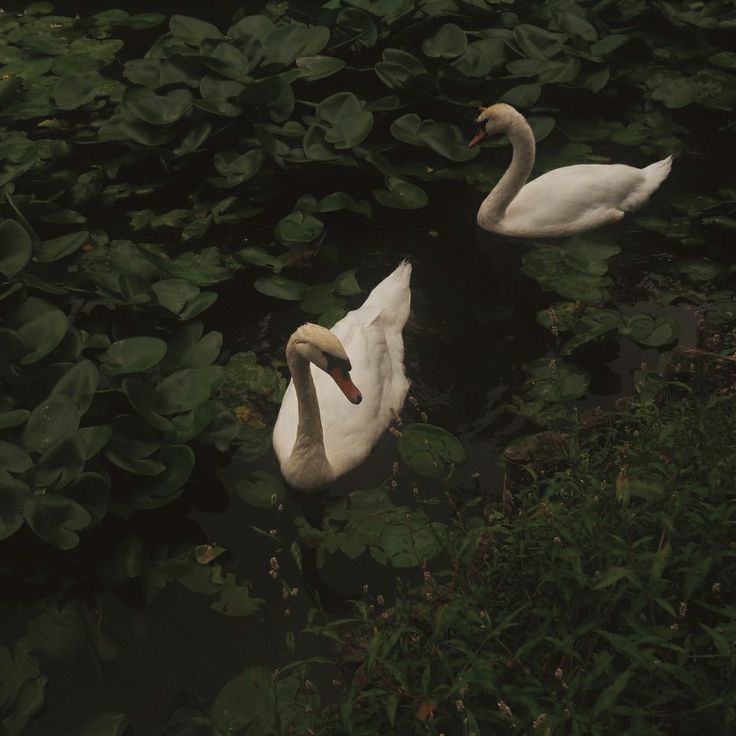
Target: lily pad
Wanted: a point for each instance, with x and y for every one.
(56, 519)
(429, 450)
(132, 355)
(281, 288)
(400, 194)
(319, 67)
(15, 247)
(262, 489)
(447, 43)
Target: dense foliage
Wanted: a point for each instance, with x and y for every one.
(120, 129)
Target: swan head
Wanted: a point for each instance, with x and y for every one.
(493, 120)
(320, 346)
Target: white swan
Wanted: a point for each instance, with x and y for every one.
(563, 201)
(318, 435)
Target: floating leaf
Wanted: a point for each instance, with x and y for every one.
(56, 519)
(48, 251)
(75, 89)
(15, 247)
(281, 288)
(261, 489)
(523, 95)
(132, 355)
(13, 496)
(192, 30)
(49, 421)
(555, 380)
(41, 325)
(401, 195)
(448, 42)
(179, 463)
(429, 450)
(319, 67)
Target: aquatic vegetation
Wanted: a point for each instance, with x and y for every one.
(152, 166)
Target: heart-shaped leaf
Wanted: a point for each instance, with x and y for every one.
(15, 247)
(132, 355)
(56, 519)
(429, 450)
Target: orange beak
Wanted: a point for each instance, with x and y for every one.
(479, 136)
(342, 378)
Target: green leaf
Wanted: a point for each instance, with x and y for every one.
(726, 59)
(554, 380)
(319, 67)
(290, 41)
(95, 438)
(448, 42)
(132, 355)
(48, 251)
(676, 93)
(91, 491)
(298, 227)
(610, 695)
(49, 421)
(57, 632)
(244, 699)
(612, 575)
(187, 388)
(235, 599)
(79, 383)
(346, 284)
(538, 43)
(399, 68)
(75, 89)
(15, 247)
(523, 95)
(609, 44)
(56, 519)
(13, 496)
(14, 459)
(347, 120)
(179, 463)
(42, 325)
(575, 25)
(428, 449)
(62, 462)
(192, 30)
(281, 288)
(145, 105)
(401, 195)
(13, 418)
(262, 489)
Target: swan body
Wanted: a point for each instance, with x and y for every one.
(319, 435)
(564, 201)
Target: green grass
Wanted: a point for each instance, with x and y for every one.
(602, 603)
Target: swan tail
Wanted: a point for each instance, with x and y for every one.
(393, 296)
(654, 175)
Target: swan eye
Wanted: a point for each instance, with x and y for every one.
(334, 362)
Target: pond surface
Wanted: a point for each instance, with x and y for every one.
(472, 329)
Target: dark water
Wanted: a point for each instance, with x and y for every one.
(471, 330)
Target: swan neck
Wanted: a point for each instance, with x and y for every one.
(309, 435)
(522, 161)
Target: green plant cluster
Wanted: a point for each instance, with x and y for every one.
(602, 602)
